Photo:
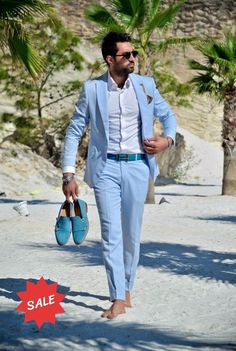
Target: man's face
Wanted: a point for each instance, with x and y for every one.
(119, 64)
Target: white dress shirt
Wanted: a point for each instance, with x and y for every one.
(124, 119)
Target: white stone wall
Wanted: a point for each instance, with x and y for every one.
(197, 17)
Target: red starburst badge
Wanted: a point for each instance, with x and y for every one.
(40, 302)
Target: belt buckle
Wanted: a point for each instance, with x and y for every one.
(123, 157)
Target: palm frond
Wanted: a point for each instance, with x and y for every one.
(21, 8)
(163, 18)
(214, 59)
(21, 50)
(132, 11)
(220, 56)
(140, 12)
(230, 39)
(225, 64)
(224, 50)
(193, 64)
(205, 83)
(164, 44)
(126, 7)
(155, 4)
(221, 51)
(101, 16)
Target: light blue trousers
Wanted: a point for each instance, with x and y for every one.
(120, 195)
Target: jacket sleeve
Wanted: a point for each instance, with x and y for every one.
(75, 131)
(164, 112)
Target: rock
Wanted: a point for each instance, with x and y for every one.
(169, 159)
(23, 171)
(163, 200)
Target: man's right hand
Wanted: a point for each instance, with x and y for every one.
(71, 190)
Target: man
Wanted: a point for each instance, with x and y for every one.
(119, 106)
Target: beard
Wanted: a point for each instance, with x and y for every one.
(124, 71)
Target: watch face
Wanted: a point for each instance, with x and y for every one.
(67, 179)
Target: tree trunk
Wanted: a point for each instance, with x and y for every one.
(150, 199)
(229, 143)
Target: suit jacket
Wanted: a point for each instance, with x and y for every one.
(92, 108)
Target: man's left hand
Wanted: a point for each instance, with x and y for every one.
(155, 145)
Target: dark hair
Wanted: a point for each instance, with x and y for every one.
(109, 43)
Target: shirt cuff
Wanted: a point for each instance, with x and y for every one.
(68, 169)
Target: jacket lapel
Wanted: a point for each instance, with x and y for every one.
(101, 92)
(139, 88)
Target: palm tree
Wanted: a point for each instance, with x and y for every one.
(218, 78)
(13, 31)
(147, 22)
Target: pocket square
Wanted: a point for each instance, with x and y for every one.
(149, 98)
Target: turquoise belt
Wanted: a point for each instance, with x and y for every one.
(126, 157)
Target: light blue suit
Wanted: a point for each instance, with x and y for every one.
(120, 187)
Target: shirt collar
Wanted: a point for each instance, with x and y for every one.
(112, 85)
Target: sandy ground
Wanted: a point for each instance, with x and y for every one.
(184, 297)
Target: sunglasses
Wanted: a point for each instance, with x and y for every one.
(127, 54)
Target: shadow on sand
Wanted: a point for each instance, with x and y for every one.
(224, 219)
(10, 286)
(177, 259)
(30, 202)
(189, 260)
(99, 335)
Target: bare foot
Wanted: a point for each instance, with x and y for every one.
(118, 307)
(127, 299)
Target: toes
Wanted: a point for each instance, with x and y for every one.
(105, 313)
(112, 313)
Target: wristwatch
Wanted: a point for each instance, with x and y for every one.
(67, 179)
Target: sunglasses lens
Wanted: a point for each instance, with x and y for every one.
(128, 54)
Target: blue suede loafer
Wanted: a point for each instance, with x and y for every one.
(79, 221)
(63, 224)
